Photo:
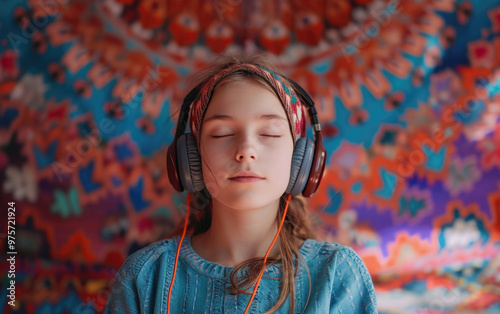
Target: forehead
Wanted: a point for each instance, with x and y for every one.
(244, 99)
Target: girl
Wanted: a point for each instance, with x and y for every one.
(249, 246)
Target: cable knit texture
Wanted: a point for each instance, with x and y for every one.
(340, 283)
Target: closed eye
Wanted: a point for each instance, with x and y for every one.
(266, 135)
(219, 136)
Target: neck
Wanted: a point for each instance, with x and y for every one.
(235, 235)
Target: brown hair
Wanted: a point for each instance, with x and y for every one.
(296, 227)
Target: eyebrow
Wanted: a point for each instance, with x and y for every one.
(229, 118)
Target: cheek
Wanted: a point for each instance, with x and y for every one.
(212, 172)
(214, 155)
(210, 159)
(280, 161)
(216, 165)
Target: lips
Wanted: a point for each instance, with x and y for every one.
(246, 175)
(246, 179)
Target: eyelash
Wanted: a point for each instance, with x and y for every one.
(220, 136)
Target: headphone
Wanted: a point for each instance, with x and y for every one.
(308, 161)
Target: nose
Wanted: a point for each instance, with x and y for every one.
(246, 151)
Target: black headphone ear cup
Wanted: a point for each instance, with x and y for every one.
(189, 162)
(302, 160)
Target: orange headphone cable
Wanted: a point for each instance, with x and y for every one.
(288, 197)
(263, 265)
(188, 200)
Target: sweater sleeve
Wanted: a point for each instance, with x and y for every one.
(352, 287)
(125, 296)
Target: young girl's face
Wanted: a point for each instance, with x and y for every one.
(243, 142)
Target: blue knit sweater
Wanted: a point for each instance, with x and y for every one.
(340, 283)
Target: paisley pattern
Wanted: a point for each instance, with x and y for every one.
(408, 97)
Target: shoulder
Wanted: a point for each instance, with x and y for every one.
(342, 261)
(148, 256)
(348, 275)
(133, 283)
(323, 250)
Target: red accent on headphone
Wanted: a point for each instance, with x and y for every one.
(318, 166)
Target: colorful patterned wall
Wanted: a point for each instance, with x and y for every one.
(408, 95)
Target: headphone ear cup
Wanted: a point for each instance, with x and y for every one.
(189, 162)
(302, 160)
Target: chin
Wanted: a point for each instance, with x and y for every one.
(248, 201)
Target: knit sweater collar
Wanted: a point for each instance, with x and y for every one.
(213, 270)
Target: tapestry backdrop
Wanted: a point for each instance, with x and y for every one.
(408, 98)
